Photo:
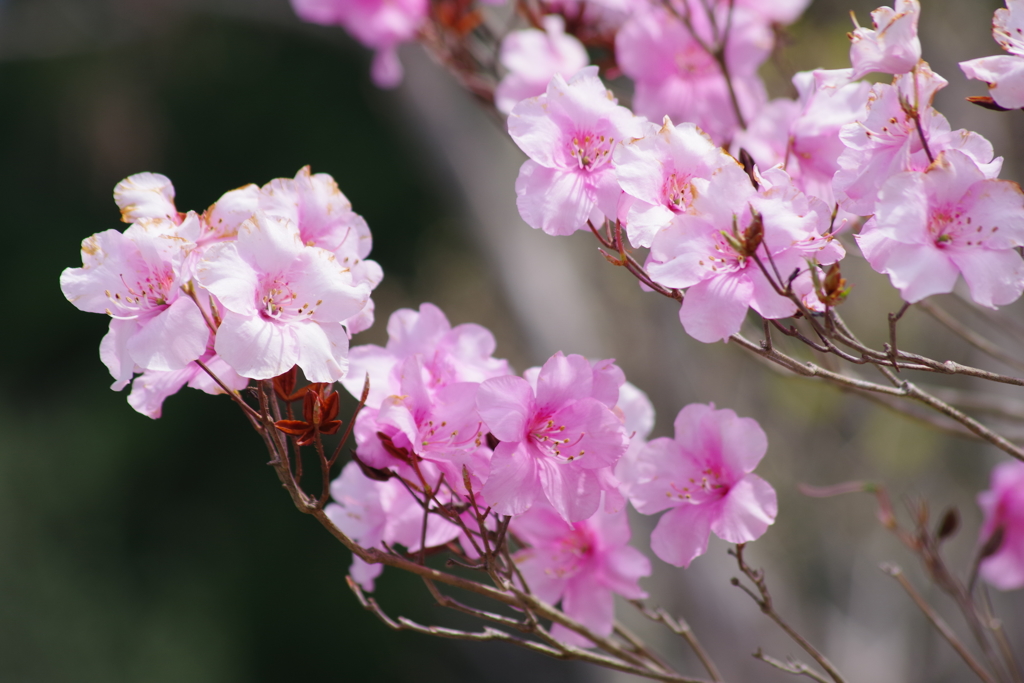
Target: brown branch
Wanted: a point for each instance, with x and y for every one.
(791, 667)
(680, 628)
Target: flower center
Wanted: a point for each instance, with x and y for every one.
(949, 227)
(708, 488)
(277, 301)
(590, 150)
(572, 553)
(153, 291)
(678, 192)
(552, 440)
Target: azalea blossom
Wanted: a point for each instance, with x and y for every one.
(715, 255)
(676, 76)
(136, 277)
(582, 565)
(553, 439)
(1003, 508)
(893, 46)
(673, 170)
(570, 133)
(533, 57)
(373, 513)
(1004, 74)
(951, 220)
(285, 303)
(703, 476)
(377, 24)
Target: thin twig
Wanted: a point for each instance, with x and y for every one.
(791, 667)
(681, 628)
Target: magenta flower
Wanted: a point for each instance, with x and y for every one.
(583, 565)
(285, 303)
(553, 439)
(713, 255)
(569, 133)
(1004, 74)
(704, 475)
(893, 46)
(677, 77)
(533, 57)
(1003, 508)
(931, 227)
(377, 24)
(376, 512)
(670, 171)
(135, 277)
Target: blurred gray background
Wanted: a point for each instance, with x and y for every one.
(138, 550)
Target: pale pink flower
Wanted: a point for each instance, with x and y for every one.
(673, 170)
(284, 303)
(146, 195)
(931, 227)
(373, 513)
(1004, 74)
(324, 218)
(893, 46)
(704, 475)
(677, 77)
(583, 565)
(533, 57)
(782, 12)
(377, 24)
(152, 387)
(723, 278)
(887, 141)
(553, 439)
(1003, 508)
(136, 277)
(569, 133)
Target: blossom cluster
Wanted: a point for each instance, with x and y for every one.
(558, 450)
(263, 280)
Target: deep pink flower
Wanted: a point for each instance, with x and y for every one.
(676, 77)
(1004, 74)
(931, 227)
(569, 133)
(673, 170)
(893, 46)
(1003, 508)
(704, 475)
(583, 565)
(377, 24)
(723, 278)
(553, 439)
(533, 57)
(135, 277)
(285, 303)
(376, 512)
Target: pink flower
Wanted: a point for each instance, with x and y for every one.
(553, 439)
(704, 476)
(285, 303)
(152, 387)
(373, 513)
(533, 57)
(136, 277)
(713, 255)
(324, 218)
(569, 133)
(146, 195)
(893, 47)
(670, 171)
(1004, 74)
(583, 565)
(887, 140)
(930, 227)
(1003, 508)
(377, 24)
(677, 77)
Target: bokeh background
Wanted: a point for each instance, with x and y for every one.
(149, 551)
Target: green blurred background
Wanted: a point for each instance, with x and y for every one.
(140, 550)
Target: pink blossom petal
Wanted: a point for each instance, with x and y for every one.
(386, 69)
(682, 534)
(714, 310)
(589, 603)
(563, 379)
(114, 352)
(232, 280)
(1004, 75)
(256, 348)
(573, 491)
(512, 485)
(505, 404)
(172, 339)
(552, 200)
(746, 511)
(322, 351)
(996, 277)
(146, 195)
(364, 573)
(149, 390)
(623, 571)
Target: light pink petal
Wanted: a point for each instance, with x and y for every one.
(172, 339)
(316, 278)
(231, 210)
(114, 352)
(543, 583)
(765, 300)
(535, 131)
(622, 571)
(386, 69)
(376, 362)
(150, 389)
(713, 310)
(917, 270)
(563, 379)
(682, 534)
(552, 200)
(996, 277)
(743, 442)
(256, 348)
(589, 603)
(1004, 75)
(364, 573)
(513, 482)
(146, 195)
(747, 511)
(505, 405)
(573, 491)
(232, 280)
(322, 350)
(268, 243)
